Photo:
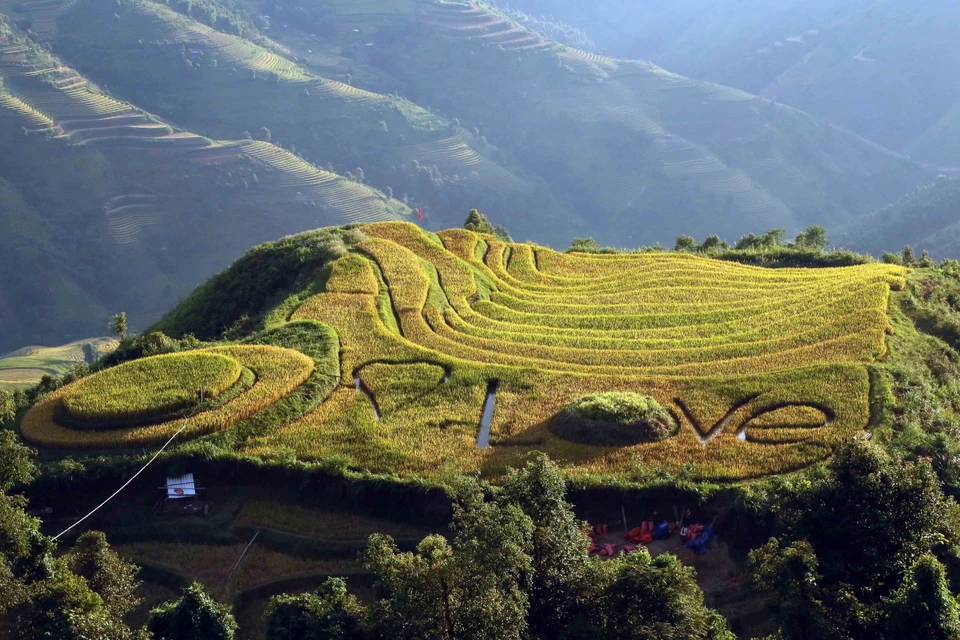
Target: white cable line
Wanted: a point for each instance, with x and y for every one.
(242, 555)
(134, 477)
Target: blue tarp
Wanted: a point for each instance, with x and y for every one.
(661, 531)
(699, 546)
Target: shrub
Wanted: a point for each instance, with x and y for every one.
(195, 616)
(614, 419)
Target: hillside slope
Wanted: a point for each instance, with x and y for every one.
(25, 367)
(886, 69)
(550, 139)
(226, 86)
(149, 117)
(927, 219)
(108, 208)
(461, 349)
(624, 141)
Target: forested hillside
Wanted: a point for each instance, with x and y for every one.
(928, 219)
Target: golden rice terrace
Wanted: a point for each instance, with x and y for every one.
(764, 370)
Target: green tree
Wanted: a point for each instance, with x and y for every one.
(472, 589)
(501, 232)
(749, 241)
(584, 245)
(563, 586)
(773, 237)
(90, 354)
(926, 262)
(16, 462)
(908, 258)
(25, 554)
(685, 243)
(814, 237)
(63, 606)
(110, 576)
(264, 134)
(330, 613)
(478, 223)
(892, 258)
(872, 517)
(923, 607)
(8, 408)
(118, 325)
(868, 520)
(194, 616)
(41, 595)
(712, 243)
(792, 575)
(657, 599)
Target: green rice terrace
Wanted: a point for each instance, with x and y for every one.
(26, 366)
(418, 351)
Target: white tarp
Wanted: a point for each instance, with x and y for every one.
(182, 487)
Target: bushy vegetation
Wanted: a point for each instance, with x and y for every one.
(266, 274)
(194, 616)
(614, 419)
(619, 407)
(523, 555)
(769, 249)
(852, 543)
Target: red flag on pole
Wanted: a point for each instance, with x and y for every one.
(420, 213)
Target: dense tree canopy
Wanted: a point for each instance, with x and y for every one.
(853, 537)
(195, 616)
(329, 613)
(923, 607)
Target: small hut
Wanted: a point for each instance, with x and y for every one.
(181, 488)
(181, 497)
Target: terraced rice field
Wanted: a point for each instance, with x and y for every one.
(322, 89)
(483, 26)
(159, 26)
(127, 215)
(630, 102)
(290, 177)
(454, 155)
(764, 369)
(49, 97)
(659, 107)
(460, 349)
(273, 373)
(26, 366)
(44, 13)
(667, 110)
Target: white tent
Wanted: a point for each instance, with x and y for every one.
(182, 487)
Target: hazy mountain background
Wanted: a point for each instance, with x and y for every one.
(146, 144)
(886, 69)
